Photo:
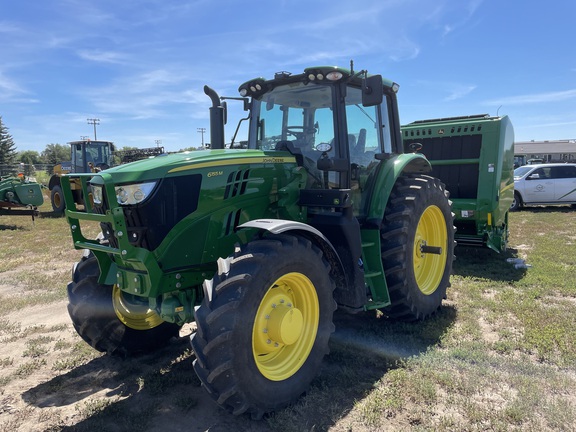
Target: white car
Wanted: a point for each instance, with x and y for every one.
(544, 184)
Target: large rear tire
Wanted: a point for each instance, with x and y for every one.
(109, 320)
(264, 325)
(417, 246)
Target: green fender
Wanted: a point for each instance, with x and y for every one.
(385, 178)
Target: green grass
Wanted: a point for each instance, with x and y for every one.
(500, 355)
(504, 358)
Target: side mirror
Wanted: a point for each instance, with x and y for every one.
(415, 147)
(225, 106)
(372, 90)
(534, 176)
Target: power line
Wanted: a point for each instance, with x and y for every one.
(94, 121)
(201, 131)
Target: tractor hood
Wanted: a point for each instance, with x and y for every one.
(177, 164)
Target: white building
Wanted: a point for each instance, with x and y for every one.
(545, 151)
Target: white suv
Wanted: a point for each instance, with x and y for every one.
(546, 184)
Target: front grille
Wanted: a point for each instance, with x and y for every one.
(149, 223)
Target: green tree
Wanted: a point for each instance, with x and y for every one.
(7, 146)
(56, 153)
(29, 157)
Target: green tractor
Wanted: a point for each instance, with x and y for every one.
(260, 242)
(86, 157)
(91, 157)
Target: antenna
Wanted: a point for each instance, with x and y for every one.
(351, 67)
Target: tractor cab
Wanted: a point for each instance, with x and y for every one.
(91, 156)
(339, 124)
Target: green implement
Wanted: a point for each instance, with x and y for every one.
(19, 196)
(474, 157)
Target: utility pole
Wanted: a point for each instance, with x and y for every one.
(94, 121)
(201, 131)
(158, 143)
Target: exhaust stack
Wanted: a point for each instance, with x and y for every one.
(216, 119)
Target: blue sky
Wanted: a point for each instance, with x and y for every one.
(140, 65)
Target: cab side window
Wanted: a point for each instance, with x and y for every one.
(541, 174)
(563, 172)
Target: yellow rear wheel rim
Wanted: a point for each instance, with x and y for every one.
(428, 267)
(135, 315)
(285, 326)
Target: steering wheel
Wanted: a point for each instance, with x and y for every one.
(293, 130)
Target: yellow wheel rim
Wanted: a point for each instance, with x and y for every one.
(57, 198)
(135, 315)
(285, 326)
(429, 267)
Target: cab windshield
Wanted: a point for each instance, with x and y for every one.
(299, 113)
(98, 153)
(94, 153)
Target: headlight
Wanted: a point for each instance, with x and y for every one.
(97, 194)
(134, 193)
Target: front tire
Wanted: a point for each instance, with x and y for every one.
(417, 246)
(263, 330)
(57, 199)
(111, 321)
(516, 202)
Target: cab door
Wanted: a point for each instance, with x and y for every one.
(369, 134)
(564, 183)
(539, 186)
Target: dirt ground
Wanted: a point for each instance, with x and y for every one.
(50, 380)
(49, 400)
(159, 391)
(67, 386)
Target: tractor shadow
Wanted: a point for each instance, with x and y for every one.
(548, 209)
(161, 390)
(484, 263)
(51, 214)
(4, 227)
(158, 391)
(363, 350)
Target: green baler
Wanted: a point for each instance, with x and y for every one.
(474, 158)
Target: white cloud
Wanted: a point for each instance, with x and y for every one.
(100, 56)
(11, 91)
(534, 98)
(459, 91)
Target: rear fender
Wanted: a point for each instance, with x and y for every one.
(385, 179)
